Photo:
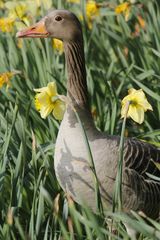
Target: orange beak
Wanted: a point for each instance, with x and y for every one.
(38, 30)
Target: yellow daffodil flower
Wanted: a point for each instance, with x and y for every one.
(58, 45)
(18, 11)
(92, 11)
(138, 104)
(124, 8)
(48, 101)
(2, 81)
(5, 78)
(6, 24)
(22, 12)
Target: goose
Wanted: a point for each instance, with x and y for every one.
(139, 191)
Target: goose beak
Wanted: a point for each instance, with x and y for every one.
(38, 30)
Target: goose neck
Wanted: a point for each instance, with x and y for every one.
(76, 85)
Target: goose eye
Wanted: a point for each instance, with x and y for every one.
(58, 18)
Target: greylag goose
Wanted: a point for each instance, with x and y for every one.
(139, 191)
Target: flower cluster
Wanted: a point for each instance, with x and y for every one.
(20, 13)
(92, 10)
(124, 8)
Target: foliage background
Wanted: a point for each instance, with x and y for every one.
(120, 54)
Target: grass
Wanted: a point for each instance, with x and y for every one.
(32, 204)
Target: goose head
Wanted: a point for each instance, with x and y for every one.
(60, 24)
(65, 26)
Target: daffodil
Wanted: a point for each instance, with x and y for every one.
(23, 11)
(92, 11)
(48, 101)
(2, 81)
(18, 11)
(6, 24)
(5, 78)
(58, 45)
(124, 8)
(138, 105)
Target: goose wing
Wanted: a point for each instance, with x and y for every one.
(141, 192)
(141, 157)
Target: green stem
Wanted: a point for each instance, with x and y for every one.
(118, 188)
